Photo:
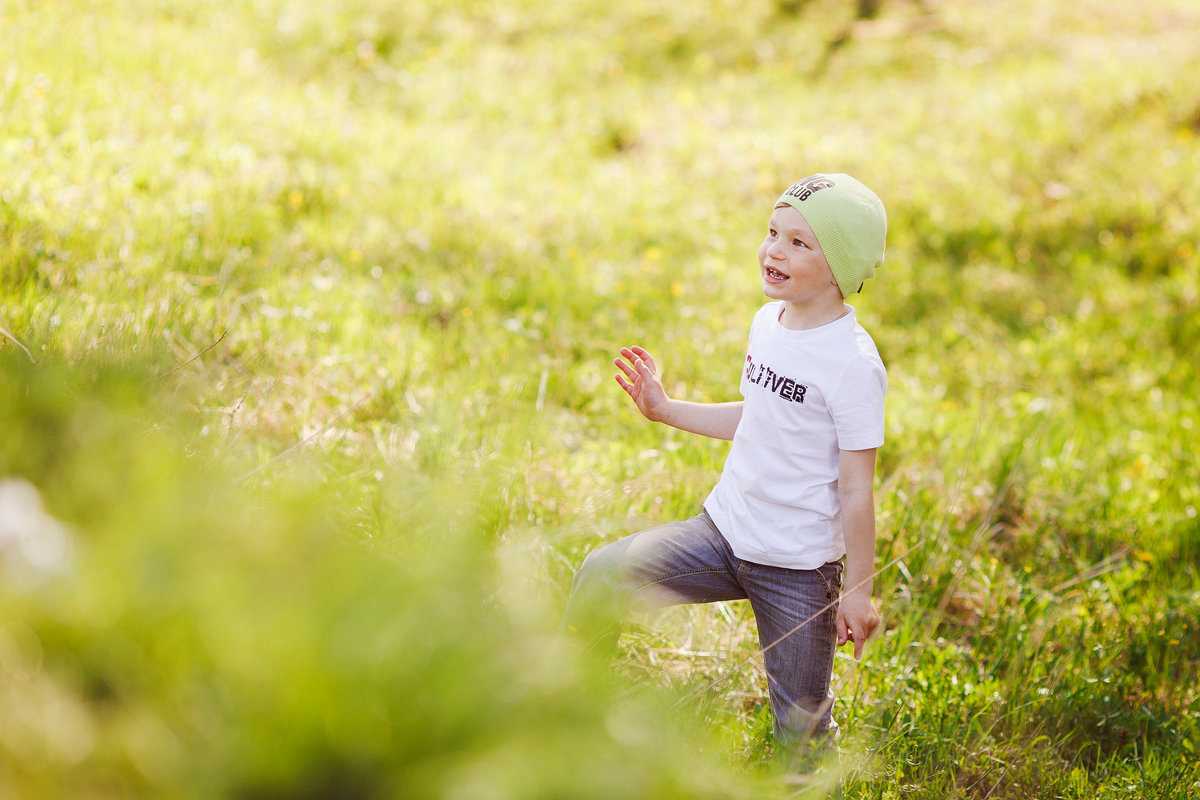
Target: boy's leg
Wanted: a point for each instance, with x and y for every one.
(796, 614)
(680, 562)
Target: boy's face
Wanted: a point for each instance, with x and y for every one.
(794, 268)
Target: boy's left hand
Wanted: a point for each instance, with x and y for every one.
(857, 620)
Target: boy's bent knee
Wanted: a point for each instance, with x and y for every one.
(598, 587)
(604, 566)
(595, 606)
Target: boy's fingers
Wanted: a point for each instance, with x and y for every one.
(641, 353)
(846, 635)
(632, 362)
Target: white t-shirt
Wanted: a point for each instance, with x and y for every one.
(808, 395)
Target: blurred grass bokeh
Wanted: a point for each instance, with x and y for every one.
(306, 317)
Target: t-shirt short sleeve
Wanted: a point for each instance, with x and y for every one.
(857, 404)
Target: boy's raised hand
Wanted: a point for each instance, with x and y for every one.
(641, 382)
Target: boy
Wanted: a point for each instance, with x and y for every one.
(797, 489)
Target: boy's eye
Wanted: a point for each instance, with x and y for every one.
(771, 233)
(798, 243)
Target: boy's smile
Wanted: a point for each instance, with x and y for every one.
(774, 275)
(794, 268)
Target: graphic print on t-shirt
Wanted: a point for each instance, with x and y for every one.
(762, 375)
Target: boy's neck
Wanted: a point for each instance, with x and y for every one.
(803, 317)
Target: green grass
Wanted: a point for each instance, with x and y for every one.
(320, 302)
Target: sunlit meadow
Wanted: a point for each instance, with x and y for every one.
(307, 312)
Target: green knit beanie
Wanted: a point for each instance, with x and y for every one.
(849, 222)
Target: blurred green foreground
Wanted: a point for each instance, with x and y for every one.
(191, 633)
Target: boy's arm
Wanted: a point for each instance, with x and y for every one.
(857, 618)
(641, 382)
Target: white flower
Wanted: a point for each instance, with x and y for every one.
(28, 535)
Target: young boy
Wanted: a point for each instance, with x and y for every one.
(797, 489)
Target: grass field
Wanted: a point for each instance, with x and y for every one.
(307, 313)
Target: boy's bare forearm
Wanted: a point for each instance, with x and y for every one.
(857, 617)
(717, 420)
(639, 378)
(858, 528)
(856, 487)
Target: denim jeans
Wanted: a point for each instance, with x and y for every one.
(690, 562)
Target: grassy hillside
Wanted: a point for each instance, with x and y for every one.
(307, 312)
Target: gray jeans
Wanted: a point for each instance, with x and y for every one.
(690, 562)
